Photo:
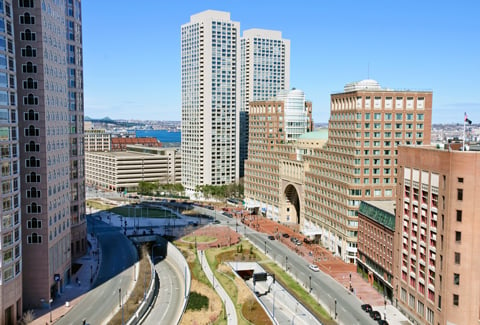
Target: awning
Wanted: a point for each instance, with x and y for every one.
(311, 232)
(251, 205)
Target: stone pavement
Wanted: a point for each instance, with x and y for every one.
(224, 236)
(74, 291)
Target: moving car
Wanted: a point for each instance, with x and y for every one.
(382, 322)
(271, 237)
(367, 307)
(313, 267)
(375, 314)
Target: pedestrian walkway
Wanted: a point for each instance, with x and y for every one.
(229, 306)
(86, 268)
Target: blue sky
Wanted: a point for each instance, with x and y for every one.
(132, 51)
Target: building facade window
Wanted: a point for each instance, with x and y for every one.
(458, 236)
(34, 239)
(457, 258)
(456, 279)
(456, 299)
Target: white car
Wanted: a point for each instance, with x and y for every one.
(313, 267)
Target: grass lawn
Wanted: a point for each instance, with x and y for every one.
(199, 239)
(248, 309)
(215, 313)
(131, 211)
(142, 212)
(99, 205)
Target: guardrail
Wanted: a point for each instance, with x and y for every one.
(145, 307)
(174, 253)
(149, 298)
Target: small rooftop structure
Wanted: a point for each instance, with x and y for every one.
(367, 84)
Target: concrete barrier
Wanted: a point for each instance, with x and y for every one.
(149, 297)
(181, 262)
(143, 310)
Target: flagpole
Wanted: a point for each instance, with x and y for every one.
(464, 128)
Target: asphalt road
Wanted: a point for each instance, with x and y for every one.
(324, 288)
(168, 306)
(116, 271)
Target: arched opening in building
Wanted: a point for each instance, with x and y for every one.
(292, 204)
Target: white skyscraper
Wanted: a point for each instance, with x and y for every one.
(265, 70)
(210, 101)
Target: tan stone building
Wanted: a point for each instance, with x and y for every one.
(436, 235)
(98, 140)
(358, 162)
(273, 170)
(123, 170)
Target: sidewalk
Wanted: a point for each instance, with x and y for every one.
(229, 306)
(74, 291)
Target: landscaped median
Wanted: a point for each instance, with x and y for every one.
(131, 305)
(248, 309)
(298, 291)
(204, 305)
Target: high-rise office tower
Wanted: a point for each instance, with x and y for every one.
(264, 71)
(11, 245)
(436, 240)
(73, 18)
(359, 161)
(210, 100)
(48, 47)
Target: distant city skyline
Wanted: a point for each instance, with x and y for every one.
(132, 70)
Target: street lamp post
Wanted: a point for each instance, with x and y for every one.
(265, 247)
(336, 309)
(350, 281)
(293, 318)
(123, 319)
(50, 308)
(286, 260)
(145, 285)
(120, 297)
(273, 307)
(310, 278)
(385, 313)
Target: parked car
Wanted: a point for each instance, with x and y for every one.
(271, 237)
(367, 307)
(375, 314)
(382, 322)
(313, 267)
(285, 235)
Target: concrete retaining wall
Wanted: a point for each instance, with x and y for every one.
(182, 265)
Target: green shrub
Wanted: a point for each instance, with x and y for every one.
(197, 301)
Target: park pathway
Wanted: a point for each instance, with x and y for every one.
(229, 306)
